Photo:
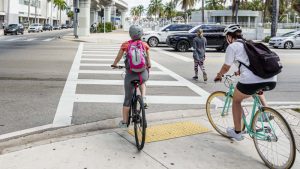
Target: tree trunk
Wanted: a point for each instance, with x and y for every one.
(202, 11)
(275, 13)
(236, 11)
(60, 16)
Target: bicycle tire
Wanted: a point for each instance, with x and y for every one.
(139, 121)
(211, 115)
(277, 117)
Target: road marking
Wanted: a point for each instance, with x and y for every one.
(113, 72)
(13, 39)
(189, 84)
(90, 59)
(121, 82)
(31, 39)
(276, 103)
(174, 55)
(105, 55)
(88, 98)
(49, 39)
(101, 52)
(63, 116)
(95, 64)
(26, 131)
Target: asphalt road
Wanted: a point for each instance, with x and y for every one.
(34, 70)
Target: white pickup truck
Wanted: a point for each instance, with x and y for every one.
(154, 38)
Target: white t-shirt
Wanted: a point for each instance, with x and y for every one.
(236, 52)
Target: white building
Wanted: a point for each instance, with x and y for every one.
(16, 11)
(246, 18)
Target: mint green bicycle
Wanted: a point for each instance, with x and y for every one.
(272, 135)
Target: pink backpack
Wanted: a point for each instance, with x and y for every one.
(136, 56)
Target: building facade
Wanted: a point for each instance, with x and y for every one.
(246, 18)
(39, 11)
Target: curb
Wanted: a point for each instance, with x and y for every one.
(22, 142)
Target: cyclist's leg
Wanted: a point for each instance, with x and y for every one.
(128, 89)
(237, 109)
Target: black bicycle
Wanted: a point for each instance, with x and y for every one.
(137, 114)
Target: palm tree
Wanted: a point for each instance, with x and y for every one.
(187, 4)
(296, 5)
(275, 13)
(214, 4)
(140, 10)
(170, 9)
(134, 11)
(61, 5)
(155, 7)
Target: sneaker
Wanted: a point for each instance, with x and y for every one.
(195, 77)
(122, 124)
(204, 76)
(145, 103)
(232, 134)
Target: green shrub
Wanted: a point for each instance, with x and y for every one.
(267, 39)
(108, 27)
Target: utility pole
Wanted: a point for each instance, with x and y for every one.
(8, 12)
(275, 13)
(202, 11)
(35, 8)
(237, 4)
(76, 11)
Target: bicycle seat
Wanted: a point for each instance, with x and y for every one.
(135, 82)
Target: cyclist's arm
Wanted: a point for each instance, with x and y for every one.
(119, 57)
(148, 59)
(225, 68)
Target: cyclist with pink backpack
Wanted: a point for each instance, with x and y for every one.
(137, 63)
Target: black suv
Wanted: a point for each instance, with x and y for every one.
(213, 33)
(14, 29)
(47, 27)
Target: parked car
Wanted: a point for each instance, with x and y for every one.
(56, 27)
(36, 27)
(64, 26)
(14, 29)
(70, 26)
(213, 33)
(47, 27)
(287, 41)
(154, 38)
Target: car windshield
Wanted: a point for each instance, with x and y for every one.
(194, 29)
(12, 25)
(288, 34)
(161, 29)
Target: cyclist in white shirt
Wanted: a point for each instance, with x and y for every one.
(248, 83)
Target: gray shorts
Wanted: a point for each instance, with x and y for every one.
(128, 88)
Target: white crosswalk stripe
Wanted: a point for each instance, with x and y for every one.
(24, 39)
(100, 56)
(49, 39)
(31, 39)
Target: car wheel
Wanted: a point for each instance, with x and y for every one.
(16, 33)
(288, 45)
(275, 47)
(183, 46)
(153, 42)
(5, 34)
(219, 49)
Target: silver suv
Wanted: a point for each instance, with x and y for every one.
(287, 41)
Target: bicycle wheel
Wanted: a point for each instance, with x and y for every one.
(140, 124)
(215, 105)
(273, 139)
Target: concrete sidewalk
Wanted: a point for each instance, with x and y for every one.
(115, 148)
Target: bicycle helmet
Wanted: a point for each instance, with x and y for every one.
(232, 28)
(135, 32)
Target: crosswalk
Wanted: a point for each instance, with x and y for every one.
(91, 55)
(25, 39)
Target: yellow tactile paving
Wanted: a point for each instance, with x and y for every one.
(172, 130)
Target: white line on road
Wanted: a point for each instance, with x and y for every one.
(150, 99)
(95, 64)
(121, 82)
(174, 55)
(63, 116)
(89, 59)
(13, 39)
(99, 55)
(49, 39)
(31, 39)
(112, 72)
(22, 132)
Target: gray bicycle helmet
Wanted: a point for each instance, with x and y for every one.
(135, 32)
(232, 28)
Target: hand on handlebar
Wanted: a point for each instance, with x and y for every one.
(218, 78)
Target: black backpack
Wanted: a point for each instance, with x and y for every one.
(263, 62)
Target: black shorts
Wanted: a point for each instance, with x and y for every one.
(250, 89)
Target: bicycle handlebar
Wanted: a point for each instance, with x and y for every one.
(117, 67)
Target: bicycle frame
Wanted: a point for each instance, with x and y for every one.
(257, 105)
